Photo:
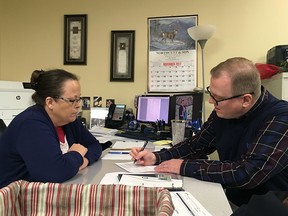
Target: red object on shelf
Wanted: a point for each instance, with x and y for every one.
(267, 70)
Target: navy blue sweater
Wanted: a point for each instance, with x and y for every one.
(253, 151)
(30, 149)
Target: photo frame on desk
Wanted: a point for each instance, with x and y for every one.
(75, 39)
(122, 56)
(172, 54)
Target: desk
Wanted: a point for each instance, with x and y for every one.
(210, 195)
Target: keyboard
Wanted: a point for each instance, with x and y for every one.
(139, 135)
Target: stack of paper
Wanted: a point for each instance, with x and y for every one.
(150, 180)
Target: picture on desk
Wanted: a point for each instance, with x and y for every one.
(98, 116)
(97, 122)
(97, 101)
(85, 103)
(109, 102)
(184, 108)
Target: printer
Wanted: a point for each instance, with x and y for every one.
(15, 97)
(276, 55)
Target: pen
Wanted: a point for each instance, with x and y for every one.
(143, 147)
(118, 152)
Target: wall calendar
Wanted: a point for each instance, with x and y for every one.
(172, 54)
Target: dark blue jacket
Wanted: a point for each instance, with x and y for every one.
(30, 149)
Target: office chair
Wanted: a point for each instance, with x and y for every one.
(2, 126)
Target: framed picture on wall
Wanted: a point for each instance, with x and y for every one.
(75, 39)
(122, 55)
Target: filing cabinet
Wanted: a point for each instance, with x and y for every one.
(277, 85)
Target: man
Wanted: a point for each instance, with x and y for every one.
(248, 129)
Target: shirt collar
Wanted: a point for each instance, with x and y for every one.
(263, 97)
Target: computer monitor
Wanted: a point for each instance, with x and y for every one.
(152, 108)
(187, 107)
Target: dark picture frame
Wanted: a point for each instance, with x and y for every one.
(75, 39)
(122, 56)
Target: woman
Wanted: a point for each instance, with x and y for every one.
(47, 142)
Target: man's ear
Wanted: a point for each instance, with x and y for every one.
(247, 100)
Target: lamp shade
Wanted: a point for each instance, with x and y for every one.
(203, 32)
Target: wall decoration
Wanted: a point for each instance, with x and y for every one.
(97, 101)
(85, 103)
(172, 54)
(122, 56)
(75, 39)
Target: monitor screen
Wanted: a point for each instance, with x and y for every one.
(151, 108)
(186, 107)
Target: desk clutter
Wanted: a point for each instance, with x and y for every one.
(120, 149)
(153, 116)
(135, 175)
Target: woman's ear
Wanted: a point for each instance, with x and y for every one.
(49, 102)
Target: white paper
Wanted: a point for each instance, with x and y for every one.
(135, 168)
(102, 130)
(122, 145)
(110, 178)
(185, 203)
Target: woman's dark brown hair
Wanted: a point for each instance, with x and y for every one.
(49, 84)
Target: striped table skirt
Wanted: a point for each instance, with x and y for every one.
(36, 198)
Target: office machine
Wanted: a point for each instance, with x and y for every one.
(277, 54)
(116, 116)
(186, 106)
(15, 97)
(152, 108)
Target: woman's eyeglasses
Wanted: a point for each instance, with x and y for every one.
(224, 99)
(68, 100)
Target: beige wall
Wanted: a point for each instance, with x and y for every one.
(31, 36)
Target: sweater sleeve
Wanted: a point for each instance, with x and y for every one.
(38, 145)
(265, 159)
(77, 133)
(196, 147)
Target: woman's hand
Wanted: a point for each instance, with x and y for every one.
(78, 148)
(85, 163)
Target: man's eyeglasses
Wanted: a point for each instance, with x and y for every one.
(224, 99)
(68, 100)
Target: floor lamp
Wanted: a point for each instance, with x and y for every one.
(201, 34)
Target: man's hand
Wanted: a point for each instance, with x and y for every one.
(142, 157)
(170, 166)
